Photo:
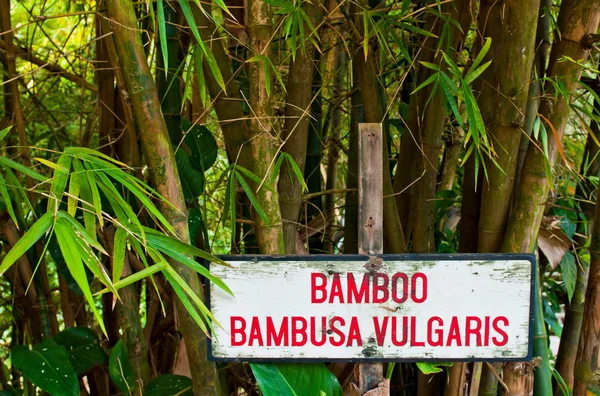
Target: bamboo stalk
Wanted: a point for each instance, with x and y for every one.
(163, 171)
(576, 19)
(295, 132)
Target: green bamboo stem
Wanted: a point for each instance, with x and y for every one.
(511, 26)
(160, 158)
(576, 19)
(295, 132)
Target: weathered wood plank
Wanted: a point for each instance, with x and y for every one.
(370, 217)
(370, 188)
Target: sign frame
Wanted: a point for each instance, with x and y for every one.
(386, 257)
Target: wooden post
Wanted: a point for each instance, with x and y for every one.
(370, 377)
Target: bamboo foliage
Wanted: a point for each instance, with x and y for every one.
(247, 117)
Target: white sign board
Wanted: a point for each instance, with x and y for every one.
(356, 308)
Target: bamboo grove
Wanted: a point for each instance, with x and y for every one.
(139, 138)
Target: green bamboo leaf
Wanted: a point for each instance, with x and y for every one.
(430, 65)
(414, 29)
(185, 300)
(138, 276)
(37, 230)
(82, 232)
(174, 276)
(119, 246)
(482, 53)
(22, 169)
(4, 132)
(297, 171)
(474, 73)
(178, 251)
(59, 182)
(431, 368)
(95, 195)
(209, 57)
(162, 34)
(95, 266)
(250, 194)
(93, 156)
(18, 190)
(198, 59)
(74, 190)
(67, 240)
(52, 165)
(89, 220)
(254, 178)
(425, 83)
(7, 201)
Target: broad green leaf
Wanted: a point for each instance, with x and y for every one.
(37, 230)
(568, 269)
(195, 224)
(431, 368)
(169, 385)
(83, 347)
(295, 379)
(192, 178)
(120, 369)
(48, 367)
(201, 143)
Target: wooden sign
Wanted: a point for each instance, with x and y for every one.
(384, 307)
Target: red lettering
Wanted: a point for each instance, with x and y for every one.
(314, 288)
(274, 338)
(470, 330)
(241, 330)
(359, 296)
(299, 331)
(380, 329)
(454, 333)
(322, 331)
(486, 332)
(255, 334)
(336, 290)
(438, 332)
(413, 286)
(413, 333)
(395, 340)
(502, 341)
(354, 333)
(380, 288)
(337, 331)
(395, 287)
